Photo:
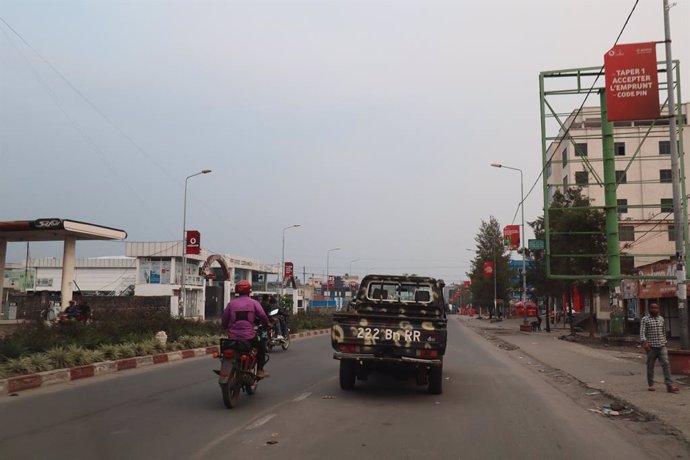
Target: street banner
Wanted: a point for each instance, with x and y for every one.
(288, 270)
(466, 284)
(632, 86)
(511, 236)
(488, 269)
(193, 242)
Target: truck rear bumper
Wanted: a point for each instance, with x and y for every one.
(382, 359)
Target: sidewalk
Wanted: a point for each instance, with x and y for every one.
(621, 374)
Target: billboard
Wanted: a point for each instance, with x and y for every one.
(288, 271)
(511, 236)
(632, 86)
(193, 242)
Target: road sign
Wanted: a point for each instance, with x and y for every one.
(535, 245)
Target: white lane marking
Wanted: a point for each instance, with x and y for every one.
(260, 422)
(301, 397)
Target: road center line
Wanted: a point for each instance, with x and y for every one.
(260, 422)
(301, 397)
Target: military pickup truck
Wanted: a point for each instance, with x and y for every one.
(396, 324)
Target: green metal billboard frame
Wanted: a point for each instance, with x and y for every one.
(572, 85)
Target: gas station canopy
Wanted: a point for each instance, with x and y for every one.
(54, 229)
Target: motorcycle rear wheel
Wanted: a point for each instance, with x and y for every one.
(251, 389)
(231, 391)
(286, 343)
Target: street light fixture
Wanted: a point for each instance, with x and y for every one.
(522, 241)
(181, 306)
(282, 265)
(328, 253)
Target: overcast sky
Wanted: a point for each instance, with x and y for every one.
(370, 123)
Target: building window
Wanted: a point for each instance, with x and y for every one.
(627, 265)
(619, 148)
(665, 176)
(620, 177)
(667, 205)
(664, 147)
(564, 156)
(548, 169)
(671, 233)
(580, 150)
(582, 178)
(626, 233)
(622, 206)
(565, 184)
(154, 270)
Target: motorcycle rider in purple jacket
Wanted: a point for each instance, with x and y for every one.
(239, 317)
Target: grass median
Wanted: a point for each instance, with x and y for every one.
(40, 346)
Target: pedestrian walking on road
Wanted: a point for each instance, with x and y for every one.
(653, 336)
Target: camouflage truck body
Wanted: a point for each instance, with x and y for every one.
(396, 324)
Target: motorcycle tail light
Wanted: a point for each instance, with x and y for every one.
(228, 354)
(244, 358)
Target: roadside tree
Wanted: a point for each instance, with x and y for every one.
(489, 248)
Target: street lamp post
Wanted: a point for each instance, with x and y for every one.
(282, 265)
(328, 253)
(181, 306)
(522, 241)
(350, 270)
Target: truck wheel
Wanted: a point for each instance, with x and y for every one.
(347, 374)
(435, 380)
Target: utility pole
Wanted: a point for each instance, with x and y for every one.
(675, 178)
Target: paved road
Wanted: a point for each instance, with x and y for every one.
(492, 407)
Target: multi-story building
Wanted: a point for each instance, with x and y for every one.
(644, 197)
(643, 171)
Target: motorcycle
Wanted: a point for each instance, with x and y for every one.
(274, 340)
(238, 366)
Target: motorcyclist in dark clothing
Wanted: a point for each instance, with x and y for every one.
(273, 304)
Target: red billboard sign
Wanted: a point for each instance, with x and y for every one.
(632, 85)
(511, 236)
(193, 242)
(288, 270)
(466, 284)
(488, 269)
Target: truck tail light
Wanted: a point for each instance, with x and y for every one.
(349, 348)
(427, 353)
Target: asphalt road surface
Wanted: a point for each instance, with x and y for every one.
(492, 407)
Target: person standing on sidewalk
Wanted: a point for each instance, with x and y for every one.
(653, 336)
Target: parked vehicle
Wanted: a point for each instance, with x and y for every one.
(274, 339)
(238, 366)
(396, 324)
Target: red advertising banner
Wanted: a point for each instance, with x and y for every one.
(488, 269)
(511, 236)
(632, 85)
(193, 242)
(466, 284)
(288, 270)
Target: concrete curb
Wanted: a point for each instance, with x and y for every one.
(19, 383)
